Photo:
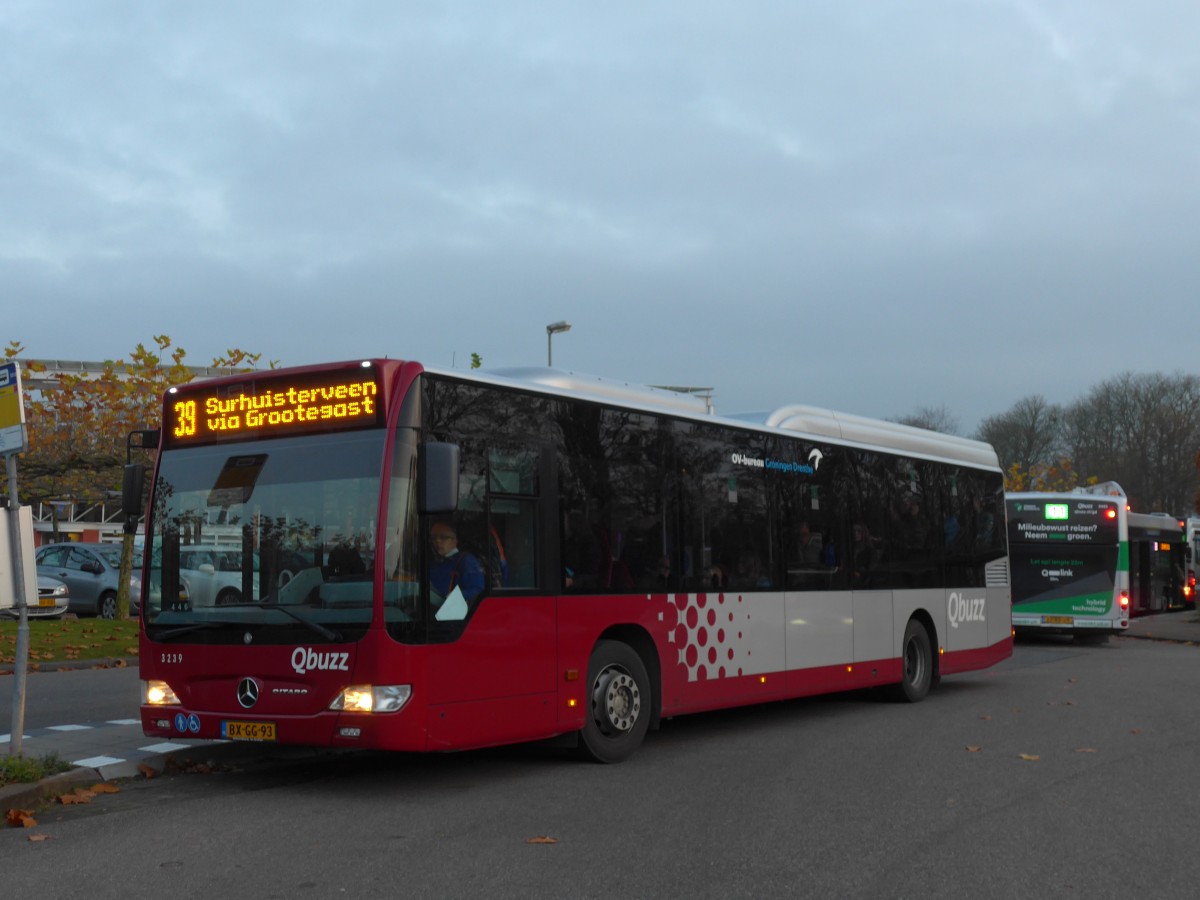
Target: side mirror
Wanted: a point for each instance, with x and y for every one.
(437, 475)
(132, 504)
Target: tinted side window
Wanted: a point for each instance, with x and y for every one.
(974, 524)
(616, 510)
(726, 537)
(812, 515)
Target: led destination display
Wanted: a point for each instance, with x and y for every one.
(272, 407)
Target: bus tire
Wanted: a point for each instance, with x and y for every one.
(619, 703)
(916, 665)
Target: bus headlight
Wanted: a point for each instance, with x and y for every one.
(158, 693)
(366, 698)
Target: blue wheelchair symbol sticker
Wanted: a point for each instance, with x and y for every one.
(193, 723)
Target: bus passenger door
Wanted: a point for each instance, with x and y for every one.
(496, 682)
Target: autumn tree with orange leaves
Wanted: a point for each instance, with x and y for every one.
(1059, 476)
(78, 428)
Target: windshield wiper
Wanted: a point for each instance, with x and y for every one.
(327, 633)
(188, 629)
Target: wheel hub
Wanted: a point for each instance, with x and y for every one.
(616, 701)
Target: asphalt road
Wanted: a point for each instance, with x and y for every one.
(80, 695)
(1066, 771)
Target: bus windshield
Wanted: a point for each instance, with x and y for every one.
(266, 542)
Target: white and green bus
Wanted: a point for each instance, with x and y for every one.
(1069, 562)
(1081, 563)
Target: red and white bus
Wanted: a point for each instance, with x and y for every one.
(624, 556)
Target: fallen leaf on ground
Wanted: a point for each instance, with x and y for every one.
(20, 818)
(39, 837)
(1086, 750)
(148, 771)
(1135, 731)
(972, 748)
(79, 795)
(1030, 757)
(104, 787)
(986, 718)
(542, 840)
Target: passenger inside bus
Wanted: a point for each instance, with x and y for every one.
(749, 571)
(344, 562)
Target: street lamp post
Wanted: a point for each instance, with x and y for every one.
(551, 330)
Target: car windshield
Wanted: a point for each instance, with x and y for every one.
(270, 542)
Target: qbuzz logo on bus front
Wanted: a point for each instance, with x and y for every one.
(960, 608)
(306, 659)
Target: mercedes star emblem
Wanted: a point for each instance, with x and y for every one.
(247, 692)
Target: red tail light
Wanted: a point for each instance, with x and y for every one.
(1110, 513)
(1124, 599)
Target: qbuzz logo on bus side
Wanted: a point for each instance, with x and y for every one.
(960, 608)
(306, 659)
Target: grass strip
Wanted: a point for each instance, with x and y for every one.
(69, 639)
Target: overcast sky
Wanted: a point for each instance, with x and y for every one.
(866, 205)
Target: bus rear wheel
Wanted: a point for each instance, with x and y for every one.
(618, 703)
(916, 659)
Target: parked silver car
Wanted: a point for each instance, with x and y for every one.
(51, 601)
(91, 573)
(210, 575)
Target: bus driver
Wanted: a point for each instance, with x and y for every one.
(453, 568)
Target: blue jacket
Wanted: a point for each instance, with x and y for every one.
(460, 569)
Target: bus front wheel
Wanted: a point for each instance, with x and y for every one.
(916, 661)
(618, 703)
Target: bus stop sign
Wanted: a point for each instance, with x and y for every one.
(12, 410)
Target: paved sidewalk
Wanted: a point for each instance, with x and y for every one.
(1181, 627)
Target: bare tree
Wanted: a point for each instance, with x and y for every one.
(1141, 430)
(1028, 435)
(931, 419)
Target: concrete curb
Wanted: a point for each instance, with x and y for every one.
(1165, 638)
(36, 795)
(108, 662)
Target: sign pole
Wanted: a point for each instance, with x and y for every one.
(14, 440)
(21, 662)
